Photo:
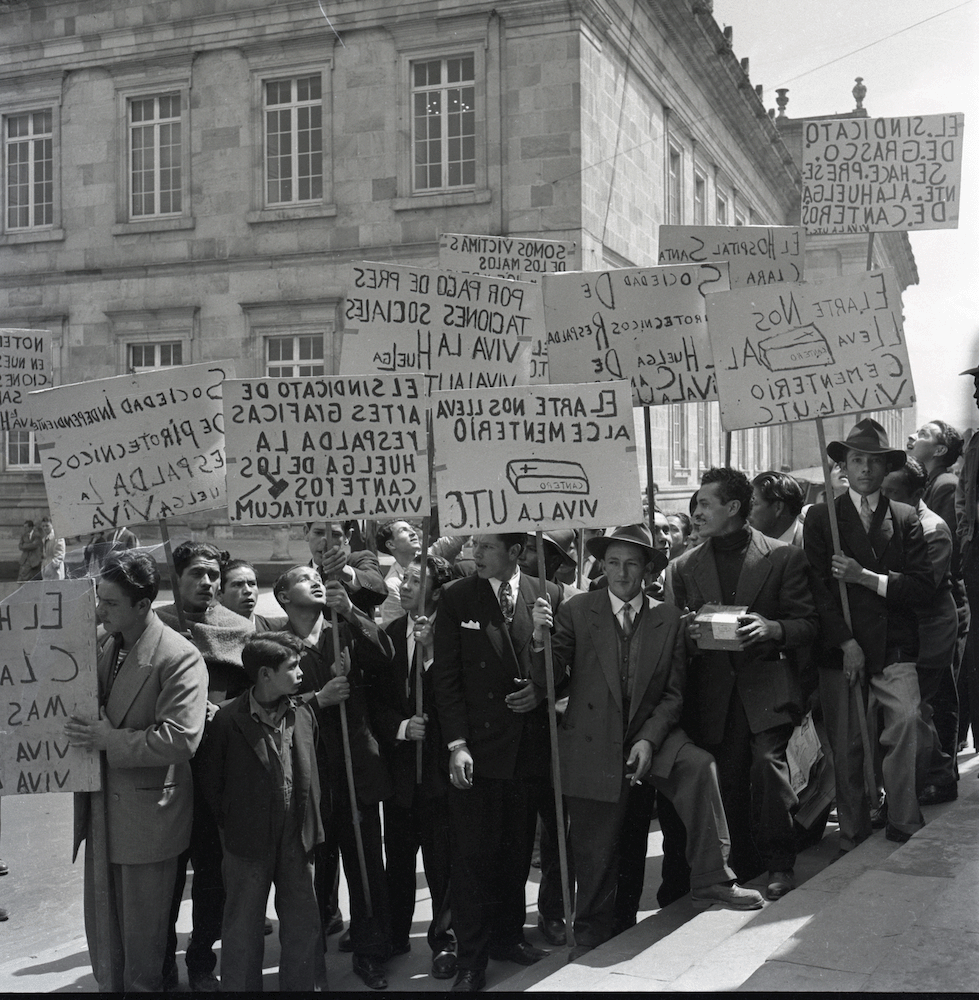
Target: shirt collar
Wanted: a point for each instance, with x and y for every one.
(313, 639)
(260, 714)
(514, 585)
(873, 499)
(618, 603)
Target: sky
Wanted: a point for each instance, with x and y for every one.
(916, 57)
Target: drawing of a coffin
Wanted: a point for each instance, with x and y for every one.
(799, 348)
(542, 475)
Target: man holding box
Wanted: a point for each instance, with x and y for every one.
(745, 693)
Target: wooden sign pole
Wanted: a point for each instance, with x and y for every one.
(174, 579)
(419, 650)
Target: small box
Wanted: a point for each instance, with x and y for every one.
(718, 626)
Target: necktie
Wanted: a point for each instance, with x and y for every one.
(627, 620)
(506, 602)
(866, 514)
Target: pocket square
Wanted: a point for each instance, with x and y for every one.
(474, 625)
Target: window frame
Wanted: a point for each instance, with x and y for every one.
(699, 198)
(297, 337)
(126, 93)
(30, 466)
(48, 100)
(142, 344)
(674, 184)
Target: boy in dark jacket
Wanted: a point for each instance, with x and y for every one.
(258, 770)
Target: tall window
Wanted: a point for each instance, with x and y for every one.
(443, 97)
(674, 215)
(678, 439)
(300, 355)
(147, 357)
(29, 160)
(155, 156)
(699, 200)
(22, 450)
(721, 210)
(294, 140)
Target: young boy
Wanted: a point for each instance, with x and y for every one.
(258, 771)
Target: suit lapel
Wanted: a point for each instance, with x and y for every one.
(704, 571)
(133, 674)
(852, 533)
(647, 660)
(882, 527)
(253, 733)
(489, 611)
(754, 573)
(606, 642)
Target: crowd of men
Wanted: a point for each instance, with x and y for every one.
(375, 717)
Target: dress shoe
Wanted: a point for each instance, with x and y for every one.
(3, 868)
(444, 965)
(371, 971)
(878, 816)
(898, 836)
(520, 952)
(933, 795)
(734, 897)
(204, 982)
(779, 883)
(344, 943)
(335, 926)
(469, 981)
(553, 931)
(3, 915)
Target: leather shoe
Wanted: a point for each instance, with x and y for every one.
(344, 943)
(371, 971)
(520, 952)
(469, 981)
(898, 836)
(933, 795)
(878, 816)
(553, 931)
(204, 982)
(734, 897)
(3, 868)
(444, 965)
(335, 926)
(779, 883)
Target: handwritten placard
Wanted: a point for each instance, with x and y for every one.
(645, 324)
(756, 255)
(522, 258)
(132, 448)
(463, 331)
(47, 673)
(536, 457)
(316, 449)
(877, 175)
(796, 352)
(25, 365)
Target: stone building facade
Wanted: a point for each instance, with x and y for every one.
(188, 180)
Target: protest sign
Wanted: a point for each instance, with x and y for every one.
(462, 331)
(796, 352)
(319, 449)
(517, 257)
(535, 457)
(757, 255)
(132, 448)
(25, 365)
(645, 324)
(47, 674)
(872, 175)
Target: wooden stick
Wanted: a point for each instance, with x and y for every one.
(580, 575)
(348, 762)
(870, 253)
(727, 449)
(650, 485)
(419, 651)
(562, 847)
(869, 778)
(174, 579)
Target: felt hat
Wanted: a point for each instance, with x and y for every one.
(563, 540)
(869, 437)
(971, 371)
(634, 534)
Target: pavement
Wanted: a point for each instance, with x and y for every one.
(884, 918)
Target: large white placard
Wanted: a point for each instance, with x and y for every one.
(47, 674)
(463, 331)
(756, 255)
(877, 175)
(132, 448)
(645, 324)
(523, 258)
(536, 457)
(319, 449)
(25, 365)
(796, 352)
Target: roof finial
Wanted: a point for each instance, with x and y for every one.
(781, 100)
(859, 93)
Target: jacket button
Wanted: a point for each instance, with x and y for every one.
(486, 725)
(489, 694)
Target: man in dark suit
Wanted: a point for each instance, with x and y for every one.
(305, 597)
(624, 654)
(747, 701)
(495, 725)
(885, 563)
(416, 815)
(359, 572)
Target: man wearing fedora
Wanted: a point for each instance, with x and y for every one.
(624, 654)
(747, 701)
(884, 563)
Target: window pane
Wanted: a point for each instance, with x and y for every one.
(444, 111)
